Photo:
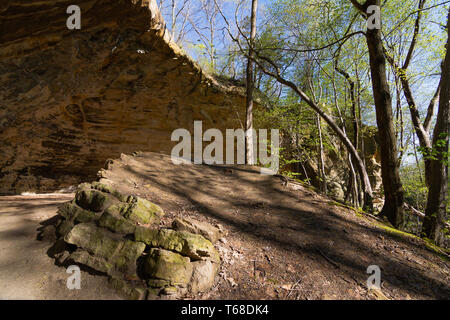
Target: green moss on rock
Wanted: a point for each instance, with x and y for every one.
(106, 218)
(97, 263)
(122, 254)
(64, 227)
(198, 227)
(170, 291)
(143, 211)
(167, 265)
(192, 245)
(108, 189)
(158, 283)
(72, 212)
(125, 259)
(93, 200)
(114, 221)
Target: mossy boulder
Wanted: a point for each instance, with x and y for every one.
(198, 227)
(92, 199)
(125, 259)
(142, 211)
(109, 233)
(173, 291)
(167, 265)
(158, 283)
(72, 212)
(203, 275)
(95, 240)
(64, 227)
(108, 189)
(97, 263)
(113, 220)
(188, 244)
(124, 217)
(121, 254)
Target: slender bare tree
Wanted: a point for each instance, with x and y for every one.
(436, 211)
(250, 86)
(422, 129)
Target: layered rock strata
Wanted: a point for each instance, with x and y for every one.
(120, 236)
(71, 99)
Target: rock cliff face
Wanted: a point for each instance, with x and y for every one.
(336, 164)
(71, 99)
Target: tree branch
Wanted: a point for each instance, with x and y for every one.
(430, 110)
(415, 35)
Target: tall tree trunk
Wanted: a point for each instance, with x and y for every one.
(352, 186)
(417, 160)
(393, 189)
(354, 182)
(422, 129)
(323, 182)
(435, 213)
(250, 87)
(360, 122)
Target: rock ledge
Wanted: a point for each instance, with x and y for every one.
(119, 235)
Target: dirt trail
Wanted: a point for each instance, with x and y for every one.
(284, 241)
(26, 270)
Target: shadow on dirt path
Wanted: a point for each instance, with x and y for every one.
(26, 270)
(284, 240)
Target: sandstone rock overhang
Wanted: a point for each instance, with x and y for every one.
(71, 99)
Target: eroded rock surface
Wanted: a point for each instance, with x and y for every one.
(70, 100)
(120, 236)
(205, 229)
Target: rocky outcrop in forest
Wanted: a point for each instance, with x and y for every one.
(120, 235)
(71, 99)
(336, 163)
